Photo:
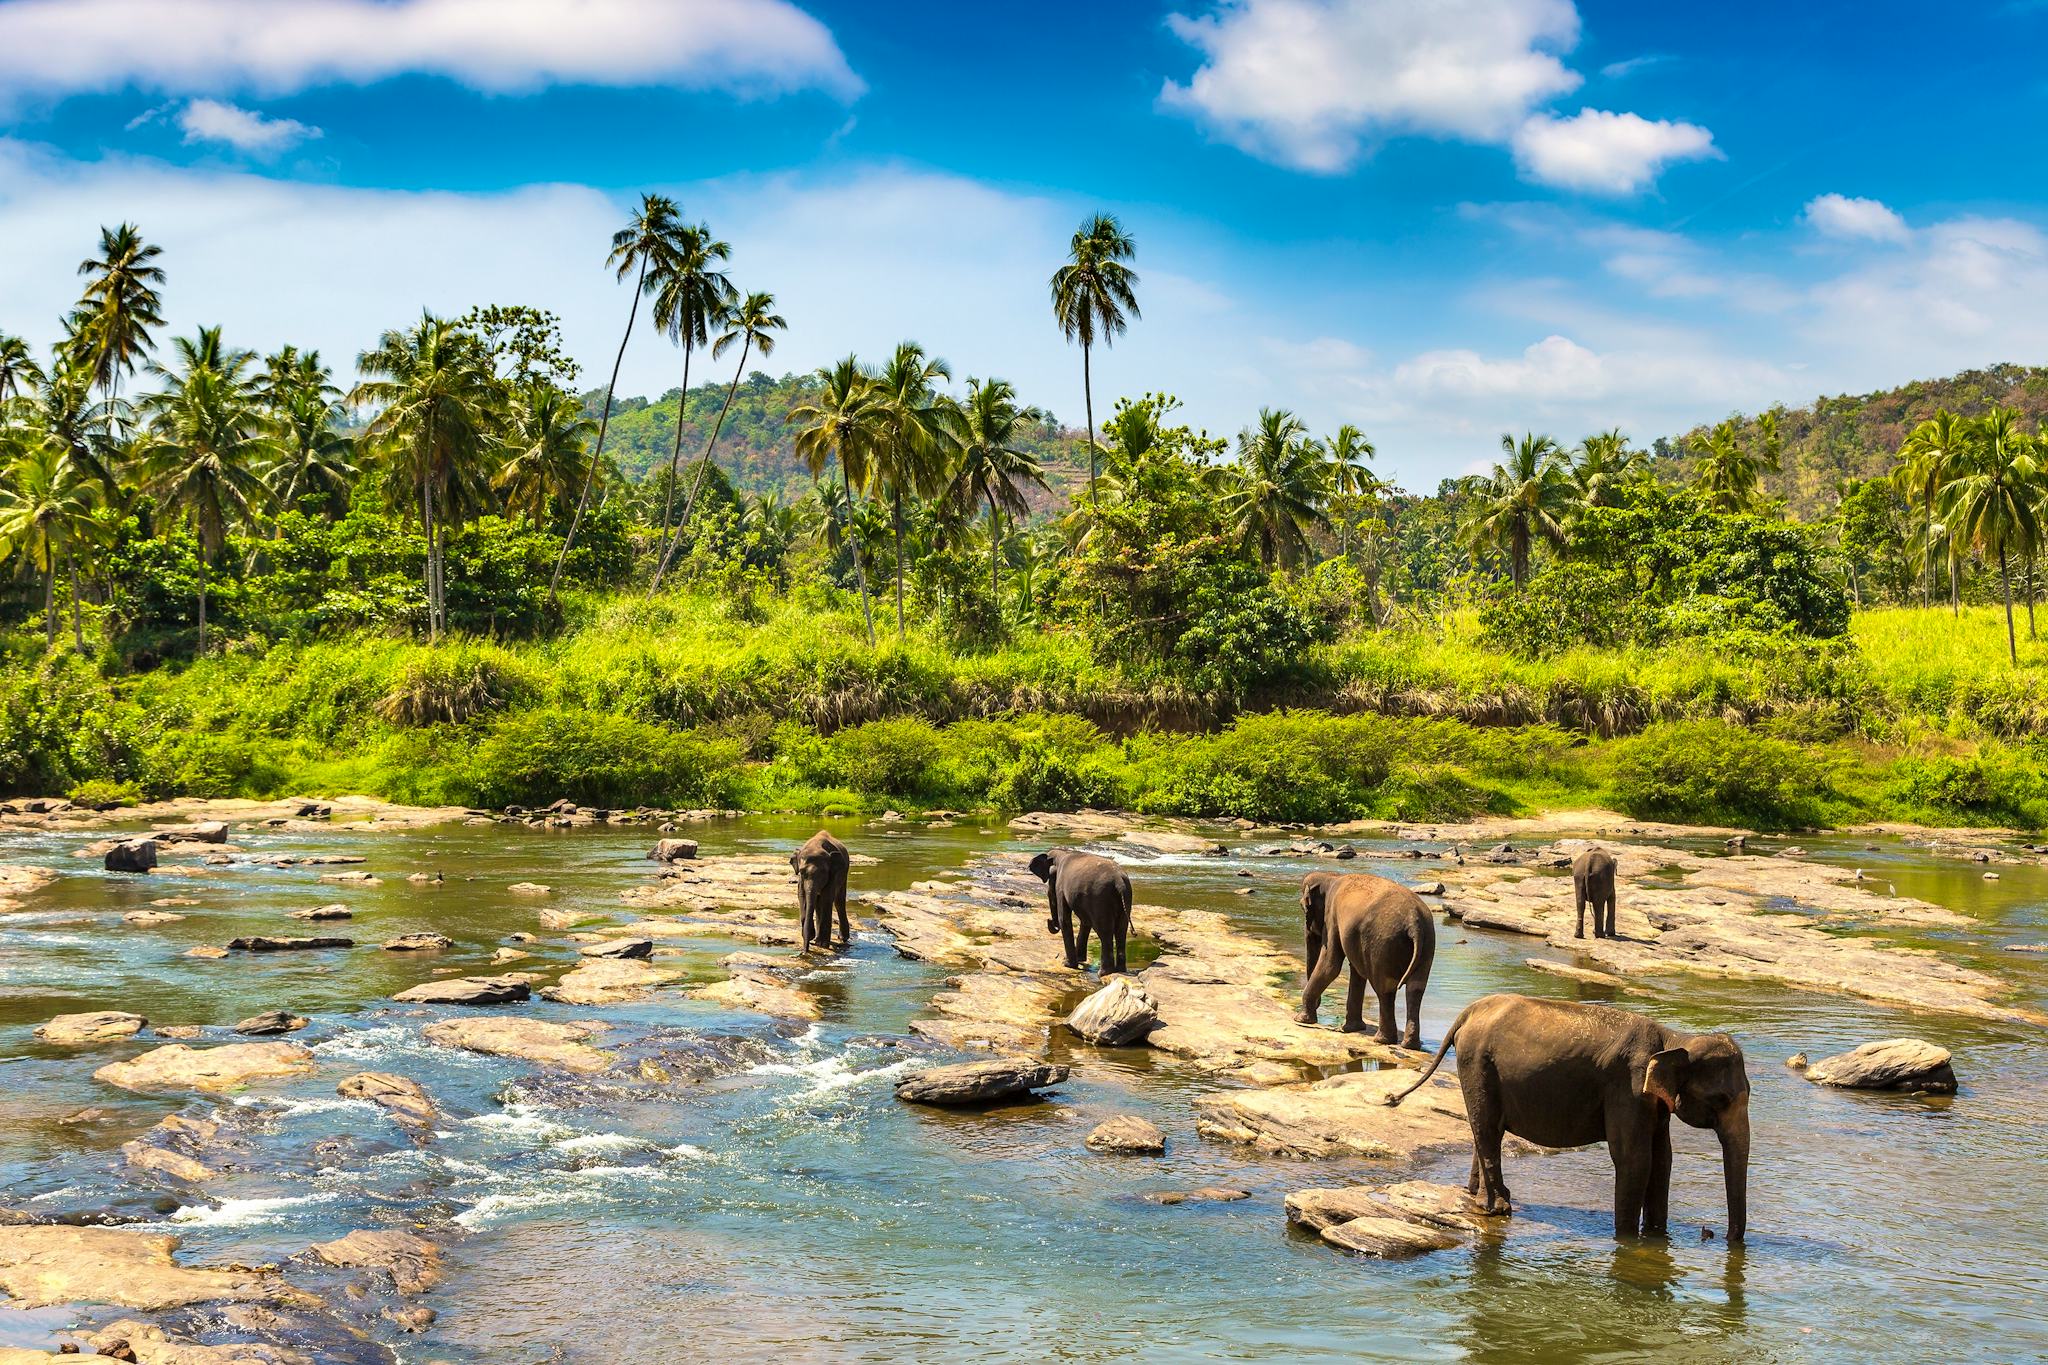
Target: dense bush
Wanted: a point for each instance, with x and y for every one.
(1996, 784)
(598, 759)
(1708, 773)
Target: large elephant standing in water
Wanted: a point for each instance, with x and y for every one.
(821, 866)
(1566, 1074)
(1386, 934)
(1085, 891)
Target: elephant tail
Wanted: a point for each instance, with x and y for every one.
(1450, 1040)
(1415, 937)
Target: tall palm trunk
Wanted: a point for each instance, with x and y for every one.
(77, 607)
(675, 456)
(202, 595)
(896, 518)
(603, 424)
(860, 574)
(710, 448)
(1955, 587)
(50, 605)
(2030, 593)
(427, 527)
(1088, 403)
(995, 559)
(2012, 645)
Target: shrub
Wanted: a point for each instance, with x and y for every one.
(1995, 785)
(532, 757)
(101, 791)
(895, 757)
(1708, 772)
(1062, 763)
(455, 684)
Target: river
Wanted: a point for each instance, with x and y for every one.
(788, 1207)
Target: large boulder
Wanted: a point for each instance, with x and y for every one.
(999, 1078)
(467, 990)
(413, 1263)
(271, 1021)
(673, 850)
(532, 1040)
(177, 1067)
(1127, 1133)
(100, 1026)
(400, 1096)
(1118, 1014)
(132, 855)
(1895, 1064)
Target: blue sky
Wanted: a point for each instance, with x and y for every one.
(1440, 219)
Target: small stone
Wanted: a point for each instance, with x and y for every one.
(1895, 1064)
(1797, 1061)
(529, 889)
(1127, 1133)
(272, 1021)
(207, 950)
(325, 912)
(986, 1082)
(102, 1026)
(418, 943)
(149, 919)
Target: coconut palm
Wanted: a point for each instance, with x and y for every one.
(993, 469)
(753, 323)
(691, 296)
(1601, 467)
(46, 505)
(636, 247)
(1523, 500)
(67, 417)
(1278, 488)
(545, 453)
(1094, 297)
(301, 400)
(438, 396)
(111, 324)
(911, 462)
(1730, 468)
(1992, 499)
(19, 373)
(1927, 459)
(844, 421)
(207, 437)
(1349, 453)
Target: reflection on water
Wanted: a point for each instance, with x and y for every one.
(785, 1205)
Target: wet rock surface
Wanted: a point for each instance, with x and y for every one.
(1126, 1133)
(228, 1067)
(531, 1040)
(1392, 1222)
(468, 990)
(1118, 1014)
(1907, 1064)
(406, 1100)
(271, 1022)
(412, 1262)
(99, 1026)
(124, 1267)
(1343, 1116)
(975, 1083)
(608, 981)
(764, 984)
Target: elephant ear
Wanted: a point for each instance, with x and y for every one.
(1664, 1077)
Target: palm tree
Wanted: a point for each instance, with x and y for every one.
(19, 372)
(301, 397)
(1993, 499)
(690, 297)
(1730, 468)
(843, 421)
(912, 460)
(64, 411)
(45, 512)
(993, 470)
(438, 394)
(545, 456)
(1601, 467)
(120, 305)
(1927, 459)
(1279, 488)
(1093, 297)
(636, 247)
(1523, 499)
(207, 437)
(753, 323)
(1349, 453)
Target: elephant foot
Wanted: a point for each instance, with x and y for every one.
(1582, 934)
(1412, 1041)
(1497, 1208)
(1352, 1026)
(1305, 1018)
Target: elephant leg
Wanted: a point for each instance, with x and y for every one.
(1610, 916)
(845, 925)
(1385, 1000)
(1631, 1153)
(1354, 1001)
(1476, 1181)
(1081, 928)
(1411, 1037)
(1067, 934)
(1657, 1197)
(1483, 1112)
(1123, 932)
(1320, 975)
(805, 918)
(1580, 898)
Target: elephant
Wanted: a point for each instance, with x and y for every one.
(1593, 884)
(1567, 1074)
(1387, 935)
(1083, 892)
(820, 867)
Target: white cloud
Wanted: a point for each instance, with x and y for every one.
(1836, 215)
(1606, 153)
(243, 129)
(1628, 66)
(54, 48)
(1309, 83)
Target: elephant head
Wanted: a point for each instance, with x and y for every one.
(1704, 1080)
(1315, 892)
(1042, 866)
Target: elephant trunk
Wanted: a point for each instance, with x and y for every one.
(1733, 1130)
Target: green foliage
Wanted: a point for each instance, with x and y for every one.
(1708, 773)
(1995, 785)
(599, 759)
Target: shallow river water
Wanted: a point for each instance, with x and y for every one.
(789, 1207)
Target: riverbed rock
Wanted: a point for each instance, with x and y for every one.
(986, 1082)
(467, 990)
(42, 1266)
(1392, 1222)
(1896, 1064)
(1126, 1133)
(620, 948)
(1207, 1194)
(405, 1099)
(271, 1022)
(176, 1147)
(1343, 1116)
(100, 1026)
(131, 855)
(673, 850)
(325, 912)
(1171, 841)
(177, 1067)
(413, 1263)
(1116, 1015)
(351, 878)
(764, 984)
(608, 981)
(1388, 1239)
(148, 1344)
(150, 919)
(198, 832)
(530, 889)
(422, 942)
(1081, 824)
(211, 950)
(532, 1040)
(266, 943)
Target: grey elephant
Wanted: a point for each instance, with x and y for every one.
(1593, 884)
(1567, 1074)
(820, 867)
(1386, 934)
(1083, 892)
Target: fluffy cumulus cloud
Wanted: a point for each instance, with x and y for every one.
(1605, 153)
(1311, 83)
(1837, 215)
(53, 48)
(243, 129)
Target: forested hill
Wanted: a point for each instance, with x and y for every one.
(1858, 435)
(756, 449)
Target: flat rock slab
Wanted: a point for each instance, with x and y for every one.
(1082, 824)
(264, 943)
(413, 1263)
(985, 1082)
(44, 1266)
(468, 990)
(422, 942)
(765, 985)
(177, 1067)
(405, 1099)
(1895, 1064)
(178, 1147)
(272, 1021)
(100, 1026)
(1172, 841)
(1392, 1222)
(532, 1040)
(1118, 1014)
(324, 912)
(1126, 1133)
(620, 948)
(1344, 1116)
(608, 981)
(150, 919)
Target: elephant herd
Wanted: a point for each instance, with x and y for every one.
(1552, 1072)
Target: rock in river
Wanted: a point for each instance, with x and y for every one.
(413, 1262)
(673, 850)
(533, 1040)
(272, 1021)
(620, 947)
(418, 943)
(1118, 1014)
(43, 1266)
(325, 912)
(1000, 1078)
(133, 855)
(1127, 1133)
(1343, 1116)
(1391, 1222)
(264, 943)
(177, 1067)
(467, 990)
(101, 1026)
(1896, 1064)
(405, 1099)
